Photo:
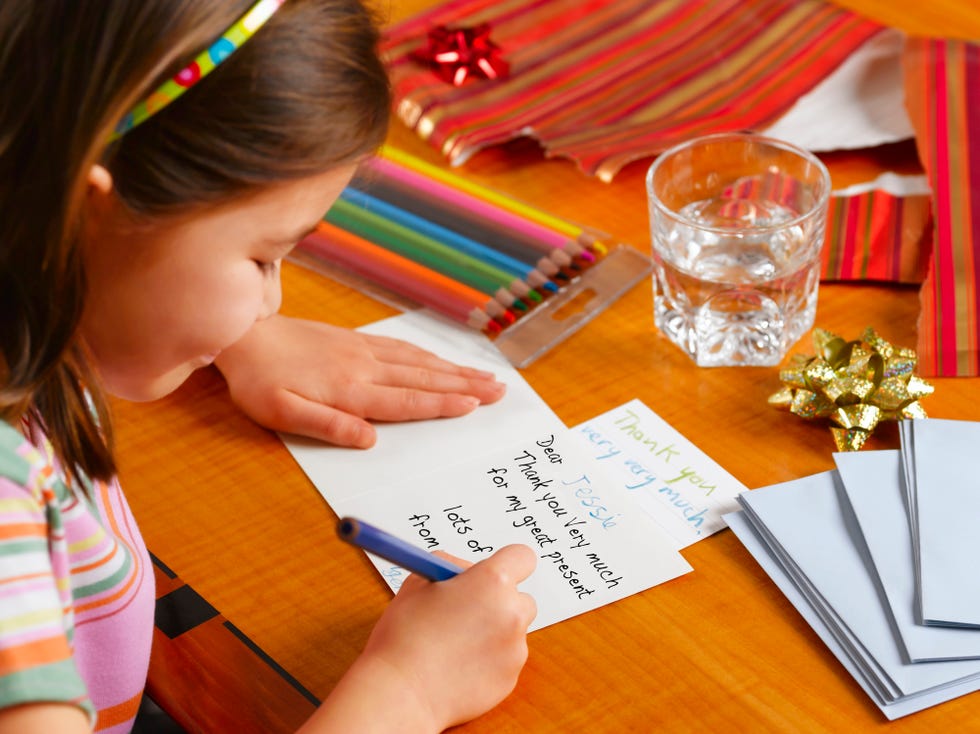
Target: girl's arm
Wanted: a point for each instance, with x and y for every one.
(323, 381)
(44, 718)
(443, 653)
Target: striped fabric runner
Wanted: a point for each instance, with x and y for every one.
(942, 88)
(877, 236)
(605, 82)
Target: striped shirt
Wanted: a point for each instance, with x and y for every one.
(76, 590)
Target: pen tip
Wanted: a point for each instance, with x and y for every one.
(346, 527)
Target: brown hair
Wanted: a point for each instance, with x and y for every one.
(305, 94)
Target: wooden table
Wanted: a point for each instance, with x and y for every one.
(262, 608)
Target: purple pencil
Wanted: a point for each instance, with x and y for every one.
(544, 239)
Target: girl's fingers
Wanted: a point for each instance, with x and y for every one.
(378, 402)
(292, 413)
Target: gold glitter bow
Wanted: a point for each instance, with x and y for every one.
(857, 384)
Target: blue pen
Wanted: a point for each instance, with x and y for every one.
(387, 546)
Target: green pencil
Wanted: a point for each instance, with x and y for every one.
(447, 260)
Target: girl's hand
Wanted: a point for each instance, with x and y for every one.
(326, 382)
(458, 645)
(442, 653)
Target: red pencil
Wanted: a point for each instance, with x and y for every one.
(407, 278)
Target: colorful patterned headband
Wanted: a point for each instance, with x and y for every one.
(206, 62)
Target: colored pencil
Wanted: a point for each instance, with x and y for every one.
(505, 202)
(446, 198)
(387, 546)
(460, 255)
(430, 205)
(531, 275)
(425, 250)
(407, 278)
(467, 196)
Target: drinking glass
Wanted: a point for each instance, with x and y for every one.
(737, 222)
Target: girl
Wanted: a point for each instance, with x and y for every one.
(158, 158)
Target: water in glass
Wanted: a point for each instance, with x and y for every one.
(733, 285)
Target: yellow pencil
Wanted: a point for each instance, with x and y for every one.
(536, 215)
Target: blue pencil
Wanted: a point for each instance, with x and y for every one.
(534, 277)
(451, 216)
(387, 546)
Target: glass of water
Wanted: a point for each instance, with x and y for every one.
(737, 222)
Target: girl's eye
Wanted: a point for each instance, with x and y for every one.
(268, 268)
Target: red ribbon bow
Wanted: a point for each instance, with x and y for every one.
(456, 54)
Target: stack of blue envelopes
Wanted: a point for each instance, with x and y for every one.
(880, 557)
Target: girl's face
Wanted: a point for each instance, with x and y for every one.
(165, 299)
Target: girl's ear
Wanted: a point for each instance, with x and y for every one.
(98, 199)
(99, 181)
